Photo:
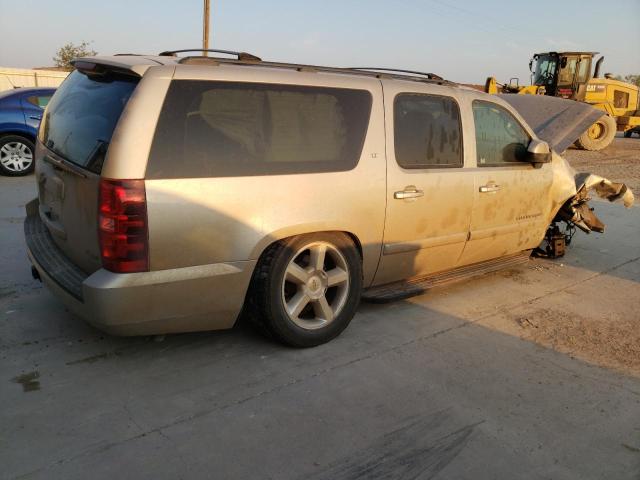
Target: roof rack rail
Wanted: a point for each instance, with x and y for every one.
(242, 56)
(430, 76)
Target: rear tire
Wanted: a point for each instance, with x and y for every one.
(628, 134)
(599, 135)
(306, 289)
(16, 156)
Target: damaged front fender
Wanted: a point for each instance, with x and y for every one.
(576, 209)
(570, 194)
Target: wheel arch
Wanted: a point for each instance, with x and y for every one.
(290, 232)
(19, 133)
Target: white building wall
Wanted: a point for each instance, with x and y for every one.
(21, 77)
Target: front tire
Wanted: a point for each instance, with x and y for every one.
(599, 135)
(16, 156)
(307, 288)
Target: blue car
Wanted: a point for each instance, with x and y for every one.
(20, 114)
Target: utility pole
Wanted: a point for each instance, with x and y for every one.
(205, 27)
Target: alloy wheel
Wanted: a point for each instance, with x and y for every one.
(315, 285)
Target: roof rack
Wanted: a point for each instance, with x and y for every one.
(430, 76)
(241, 56)
(248, 59)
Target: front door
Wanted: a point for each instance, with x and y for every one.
(429, 191)
(512, 203)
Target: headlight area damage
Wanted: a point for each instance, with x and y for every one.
(576, 212)
(560, 122)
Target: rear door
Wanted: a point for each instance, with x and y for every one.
(73, 141)
(429, 189)
(511, 197)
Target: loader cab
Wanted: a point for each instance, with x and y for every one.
(562, 74)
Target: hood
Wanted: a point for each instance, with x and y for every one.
(557, 121)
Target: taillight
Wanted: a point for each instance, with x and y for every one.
(122, 226)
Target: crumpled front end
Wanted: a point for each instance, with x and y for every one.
(571, 194)
(576, 210)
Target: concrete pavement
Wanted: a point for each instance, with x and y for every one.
(438, 386)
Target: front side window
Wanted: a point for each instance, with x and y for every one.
(427, 131)
(224, 129)
(583, 69)
(545, 70)
(500, 139)
(568, 71)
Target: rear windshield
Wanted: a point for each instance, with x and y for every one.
(221, 129)
(82, 115)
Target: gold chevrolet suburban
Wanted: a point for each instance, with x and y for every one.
(177, 192)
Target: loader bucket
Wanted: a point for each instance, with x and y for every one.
(557, 121)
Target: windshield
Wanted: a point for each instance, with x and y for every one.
(545, 69)
(82, 115)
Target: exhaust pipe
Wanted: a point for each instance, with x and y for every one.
(596, 72)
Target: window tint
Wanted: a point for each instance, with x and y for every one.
(82, 115)
(216, 129)
(500, 138)
(427, 131)
(39, 100)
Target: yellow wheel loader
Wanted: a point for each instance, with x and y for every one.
(568, 75)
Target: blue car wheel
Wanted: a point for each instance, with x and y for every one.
(16, 155)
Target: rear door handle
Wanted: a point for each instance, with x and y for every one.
(35, 117)
(492, 187)
(408, 192)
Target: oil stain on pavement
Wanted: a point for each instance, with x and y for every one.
(29, 381)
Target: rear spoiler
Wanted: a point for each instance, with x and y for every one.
(124, 64)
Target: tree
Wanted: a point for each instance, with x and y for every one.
(632, 79)
(635, 79)
(68, 52)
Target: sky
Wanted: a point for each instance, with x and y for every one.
(461, 41)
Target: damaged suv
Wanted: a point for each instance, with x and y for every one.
(176, 193)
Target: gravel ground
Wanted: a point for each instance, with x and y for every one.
(619, 162)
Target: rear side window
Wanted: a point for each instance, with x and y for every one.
(500, 139)
(427, 131)
(222, 129)
(39, 100)
(82, 115)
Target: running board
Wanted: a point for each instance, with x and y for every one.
(416, 286)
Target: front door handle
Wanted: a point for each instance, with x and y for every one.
(492, 187)
(408, 192)
(35, 117)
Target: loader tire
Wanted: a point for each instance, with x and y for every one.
(599, 135)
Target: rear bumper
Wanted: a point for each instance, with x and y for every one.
(205, 297)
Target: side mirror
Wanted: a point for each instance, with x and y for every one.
(538, 152)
